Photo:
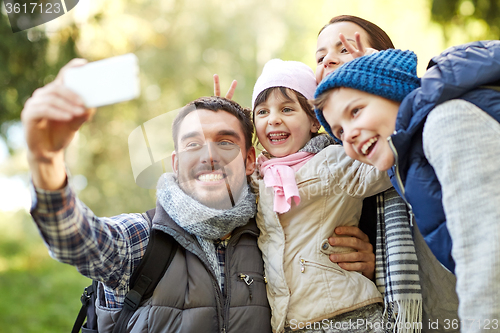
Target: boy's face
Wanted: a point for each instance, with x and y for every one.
(363, 122)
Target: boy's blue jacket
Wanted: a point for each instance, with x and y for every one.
(456, 73)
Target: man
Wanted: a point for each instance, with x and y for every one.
(206, 206)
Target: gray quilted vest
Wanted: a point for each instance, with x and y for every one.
(188, 297)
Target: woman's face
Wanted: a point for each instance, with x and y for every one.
(330, 52)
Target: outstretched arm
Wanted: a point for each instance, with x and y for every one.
(51, 117)
(107, 249)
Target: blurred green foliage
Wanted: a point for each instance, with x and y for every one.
(480, 15)
(39, 295)
(25, 66)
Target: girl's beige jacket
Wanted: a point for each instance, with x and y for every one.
(304, 286)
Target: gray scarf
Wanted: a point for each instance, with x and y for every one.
(207, 224)
(396, 273)
(317, 144)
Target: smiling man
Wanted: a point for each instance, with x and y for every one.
(215, 280)
(218, 182)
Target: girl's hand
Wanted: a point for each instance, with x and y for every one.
(359, 50)
(230, 92)
(363, 260)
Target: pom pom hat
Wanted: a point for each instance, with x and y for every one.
(391, 74)
(289, 74)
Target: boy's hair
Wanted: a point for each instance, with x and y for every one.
(215, 104)
(390, 74)
(303, 102)
(377, 37)
(320, 101)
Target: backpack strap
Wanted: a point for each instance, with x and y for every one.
(160, 251)
(87, 311)
(150, 214)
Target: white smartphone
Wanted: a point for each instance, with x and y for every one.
(105, 82)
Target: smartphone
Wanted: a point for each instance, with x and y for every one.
(105, 82)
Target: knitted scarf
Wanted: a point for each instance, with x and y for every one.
(396, 273)
(207, 224)
(279, 172)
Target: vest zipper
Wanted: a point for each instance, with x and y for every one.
(227, 300)
(215, 284)
(398, 178)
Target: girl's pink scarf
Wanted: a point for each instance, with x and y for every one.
(280, 174)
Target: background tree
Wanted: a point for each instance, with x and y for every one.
(477, 19)
(24, 66)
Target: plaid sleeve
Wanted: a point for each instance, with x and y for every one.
(107, 249)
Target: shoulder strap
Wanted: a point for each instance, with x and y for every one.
(87, 311)
(160, 251)
(151, 214)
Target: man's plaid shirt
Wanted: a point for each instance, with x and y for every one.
(107, 249)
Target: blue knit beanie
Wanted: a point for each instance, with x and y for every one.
(391, 74)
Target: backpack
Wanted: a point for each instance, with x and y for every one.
(158, 256)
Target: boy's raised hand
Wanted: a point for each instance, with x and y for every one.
(230, 92)
(50, 118)
(359, 50)
(363, 260)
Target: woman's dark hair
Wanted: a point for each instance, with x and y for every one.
(303, 102)
(377, 37)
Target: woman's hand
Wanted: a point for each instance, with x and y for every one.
(359, 50)
(230, 92)
(363, 260)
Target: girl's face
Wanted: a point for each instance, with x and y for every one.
(282, 126)
(330, 52)
(363, 122)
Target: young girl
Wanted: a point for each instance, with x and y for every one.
(442, 152)
(307, 187)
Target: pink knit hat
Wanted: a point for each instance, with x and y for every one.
(289, 74)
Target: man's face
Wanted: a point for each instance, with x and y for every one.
(363, 122)
(212, 163)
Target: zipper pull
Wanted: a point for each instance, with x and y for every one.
(302, 266)
(248, 280)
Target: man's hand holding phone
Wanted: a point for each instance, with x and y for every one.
(53, 115)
